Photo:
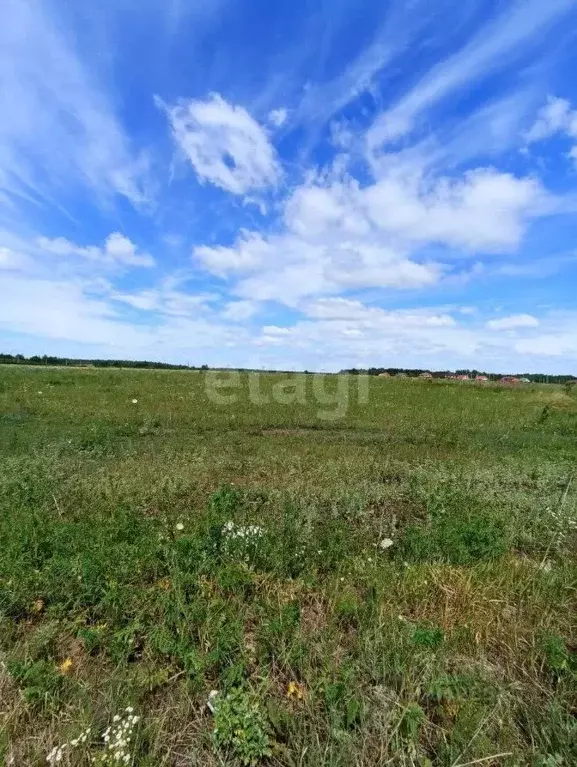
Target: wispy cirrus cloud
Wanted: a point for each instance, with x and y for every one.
(494, 47)
(59, 131)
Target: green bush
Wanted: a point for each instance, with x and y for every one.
(39, 681)
(240, 727)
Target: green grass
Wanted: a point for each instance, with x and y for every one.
(151, 553)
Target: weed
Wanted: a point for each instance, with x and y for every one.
(429, 637)
(240, 727)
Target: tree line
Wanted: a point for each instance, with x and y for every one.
(21, 359)
(416, 372)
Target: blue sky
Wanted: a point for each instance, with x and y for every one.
(304, 184)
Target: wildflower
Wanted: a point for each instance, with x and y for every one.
(39, 392)
(134, 402)
(66, 666)
(117, 738)
(57, 752)
(179, 526)
(212, 700)
(386, 543)
(295, 690)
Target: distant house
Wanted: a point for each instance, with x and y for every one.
(525, 380)
(384, 375)
(425, 375)
(463, 378)
(510, 380)
(482, 379)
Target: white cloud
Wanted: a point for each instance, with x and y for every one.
(398, 27)
(556, 117)
(165, 301)
(345, 333)
(343, 309)
(561, 343)
(12, 259)
(238, 311)
(117, 249)
(251, 251)
(121, 249)
(483, 211)
(333, 332)
(59, 131)
(513, 322)
(225, 145)
(493, 48)
(52, 309)
(341, 236)
(288, 267)
(278, 116)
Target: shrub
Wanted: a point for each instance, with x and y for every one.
(241, 727)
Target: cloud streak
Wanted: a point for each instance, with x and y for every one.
(59, 130)
(492, 49)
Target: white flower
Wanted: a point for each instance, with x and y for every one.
(179, 526)
(386, 543)
(39, 392)
(212, 700)
(134, 402)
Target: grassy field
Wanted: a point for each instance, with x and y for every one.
(384, 577)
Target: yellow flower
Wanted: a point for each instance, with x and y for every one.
(38, 606)
(295, 690)
(66, 666)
